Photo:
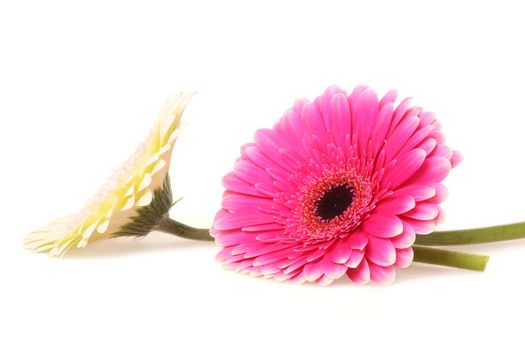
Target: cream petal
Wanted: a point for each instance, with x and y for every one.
(62, 248)
(146, 181)
(145, 199)
(158, 166)
(82, 243)
(89, 231)
(101, 228)
(152, 159)
(174, 135)
(130, 190)
(110, 212)
(129, 204)
(164, 149)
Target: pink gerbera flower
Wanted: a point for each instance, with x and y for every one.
(339, 185)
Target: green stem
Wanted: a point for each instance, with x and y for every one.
(449, 258)
(179, 229)
(473, 236)
(421, 254)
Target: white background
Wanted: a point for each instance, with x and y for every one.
(81, 83)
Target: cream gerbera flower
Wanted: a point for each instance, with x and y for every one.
(132, 202)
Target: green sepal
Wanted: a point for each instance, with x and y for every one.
(149, 216)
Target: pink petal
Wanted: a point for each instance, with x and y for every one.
(269, 146)
(382, 274)
(341, 251)
(416, 139)
(295, 266)
(313, 270)
(355, 258)
(233, 260)
(332, 270)
(365, 115)
(428, 145)
(235, 184)
(231, 221)
(263, 227)
(255, 155)
(405, 167)
(427, 118)
(223, 254)
(315, 254)
(380, 251)
(339, 121)
(251, 173)
(270, 258)
(361, 274)
(240, 266)
(299, 104)
(418, 192)
(291, 260)
(390, 97)
(269, 270)
(255, 271)
(247, 247)
(313, 119)
(440, 217)
(295, 133)
(263, 248)
(421, 227)
(405, 239)
(423, 211)
(441, 194)
(267, 189)
(381, 225)
(382, 124)
(237, 201)
(279, 276)
(394, 205)
(229, 239)
(268, 236)
(299, 278)
(434, 169)
(354, 96)
(399, 112)
(442, 150)
(400, 136)
(324, 280)
(323, 101)
(404, 257)
(380, 161)
(358, 240)
(456, 158)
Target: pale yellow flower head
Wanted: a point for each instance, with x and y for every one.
(132, 201)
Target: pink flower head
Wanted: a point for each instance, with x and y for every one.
(339, 185)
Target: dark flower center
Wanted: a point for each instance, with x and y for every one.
(334, 202)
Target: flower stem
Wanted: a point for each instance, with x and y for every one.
(449, 258)
(179, 229)
(421, 254)
(473, 236)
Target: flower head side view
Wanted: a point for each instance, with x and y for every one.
(339, 185)
(133, 201)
